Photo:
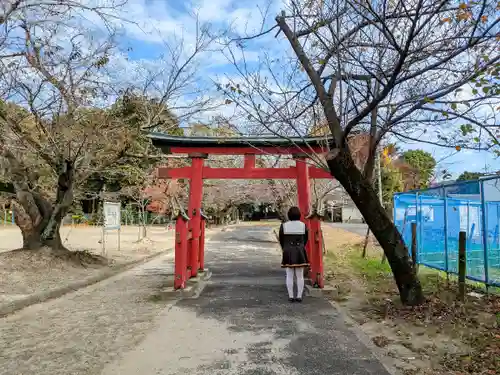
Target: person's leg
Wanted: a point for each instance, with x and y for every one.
(299, 274)
(289, 281)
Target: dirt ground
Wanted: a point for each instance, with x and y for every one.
(89, 238)
(24, 273)
(443, 336)
(80, 332)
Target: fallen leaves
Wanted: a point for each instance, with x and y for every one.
(443, 336)
(473, 323)
(381, 341)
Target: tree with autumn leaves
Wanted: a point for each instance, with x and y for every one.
(403, 171)
(423, 70)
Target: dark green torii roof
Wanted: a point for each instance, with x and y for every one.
(166, 140)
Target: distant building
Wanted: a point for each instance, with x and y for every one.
(339, 208)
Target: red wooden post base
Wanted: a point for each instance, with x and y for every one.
(201, 260)
(316, 259)
(181, 238)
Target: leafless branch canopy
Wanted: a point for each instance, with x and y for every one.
(428, 68)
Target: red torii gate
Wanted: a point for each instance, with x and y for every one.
(189, 249)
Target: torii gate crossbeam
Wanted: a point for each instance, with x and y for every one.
(189, 258)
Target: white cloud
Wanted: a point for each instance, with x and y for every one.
(213, 10)
(151, 22)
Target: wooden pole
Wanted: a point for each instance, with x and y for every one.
(462, 264)
(414, 245)
(365, 246)
(103, 232)
(103, 241)
(119, 237)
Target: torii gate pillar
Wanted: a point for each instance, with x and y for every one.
(194, 208)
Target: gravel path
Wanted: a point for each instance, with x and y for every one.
(81, 332)
(243, 324)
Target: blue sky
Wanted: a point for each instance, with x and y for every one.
(160, 21)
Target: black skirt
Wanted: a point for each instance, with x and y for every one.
(295, 256)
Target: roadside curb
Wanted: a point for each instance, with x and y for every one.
(326, 291)
(13, 306)
(353, 326)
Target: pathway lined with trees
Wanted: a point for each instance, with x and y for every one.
(72, 129)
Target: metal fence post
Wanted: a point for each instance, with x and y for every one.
(394, 209)
(420, 241)
(445, 232)
(484, 227)
(498, 226)
(469, 230)
(414, 253)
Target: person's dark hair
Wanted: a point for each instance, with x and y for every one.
(294, 213)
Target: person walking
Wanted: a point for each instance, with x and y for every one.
(293, 236)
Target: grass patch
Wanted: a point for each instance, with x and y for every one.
(445, 336)
(372, 269)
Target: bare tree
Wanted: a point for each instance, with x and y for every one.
(141, 197)
(173, 78)
(56, 125)
(401, 69)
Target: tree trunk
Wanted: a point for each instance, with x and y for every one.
(32, 240)
(361, 191)
(40, 220)
(51, 236)
(45, 234)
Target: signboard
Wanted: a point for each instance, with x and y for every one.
(112, 215)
